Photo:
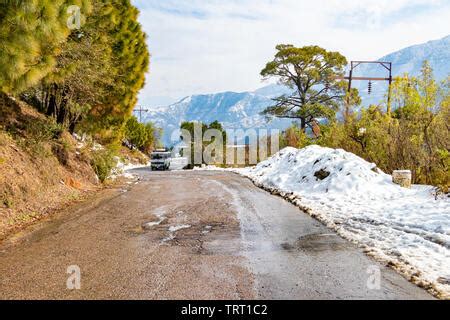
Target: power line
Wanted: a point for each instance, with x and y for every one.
(386, 65)
(140, 109)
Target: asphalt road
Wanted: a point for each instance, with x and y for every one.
(191, 235)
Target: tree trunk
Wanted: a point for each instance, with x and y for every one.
(303, 124)
(72, 127)
(51, 107)
(347, 112)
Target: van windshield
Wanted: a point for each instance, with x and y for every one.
(160, 156)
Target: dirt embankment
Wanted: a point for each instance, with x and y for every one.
(42, 167)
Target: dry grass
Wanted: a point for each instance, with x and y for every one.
(40, 170)
(133, 156)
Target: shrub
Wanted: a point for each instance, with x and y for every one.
(42, 130)
(61, 152)
(295, 137)
(139, 135)
(103, 162)
(415, 136)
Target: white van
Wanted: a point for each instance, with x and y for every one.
(160, 160)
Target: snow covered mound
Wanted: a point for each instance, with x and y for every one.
(407, 228)
(315, 169)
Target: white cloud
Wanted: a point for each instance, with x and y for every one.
(208, 46)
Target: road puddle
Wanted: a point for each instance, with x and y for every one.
(160, 214)
(206, 230)
(170, 237)
(315, 243)
(173, 232)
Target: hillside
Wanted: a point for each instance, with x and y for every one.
(42, 167)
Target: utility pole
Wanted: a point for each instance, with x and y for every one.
(350, 78)
(140, 109)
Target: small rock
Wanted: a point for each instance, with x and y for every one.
(443, 280)
(321, 174)
(402, 178)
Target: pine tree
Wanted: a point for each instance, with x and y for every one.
(130, 60)
(97, 73)
(31, 33)
(311, 73)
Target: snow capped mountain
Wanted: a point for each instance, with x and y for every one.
(408, 60)
(241, 110)
(235, 110)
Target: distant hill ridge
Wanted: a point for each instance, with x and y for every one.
(241, 110)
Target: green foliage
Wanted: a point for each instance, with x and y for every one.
(139, 135)
(103, 162)
(42, 131)
(295, 137)
(87, 78)
(126, 41)
(189, 126)
(414, 136)
(351, 101)
(80, 79)
(311, 72)
(215, 125)
(31, 33)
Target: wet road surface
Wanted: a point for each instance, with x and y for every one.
(192, 235)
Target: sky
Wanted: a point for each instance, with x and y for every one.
(201, 46)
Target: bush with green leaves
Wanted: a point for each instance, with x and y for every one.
(140, 135)
(415, 136)
(103, 162)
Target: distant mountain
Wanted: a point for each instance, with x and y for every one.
(241, 110)
(408, 60)
(235, 110)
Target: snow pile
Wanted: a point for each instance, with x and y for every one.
(408, 228)
(84, 140)
(121, 166)
(122, 169)
(178, 163)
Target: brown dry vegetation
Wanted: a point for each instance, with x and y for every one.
(40, 167)
(132, 156)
